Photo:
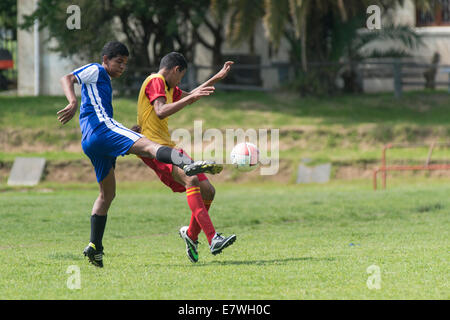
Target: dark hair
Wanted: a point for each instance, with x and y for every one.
(172, 60)
(115, 48)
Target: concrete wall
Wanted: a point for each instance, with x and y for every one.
(25, 51)
(269, 76)
(51, 66)
(435, 39)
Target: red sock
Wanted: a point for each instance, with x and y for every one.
(200, 219)
(194, 228)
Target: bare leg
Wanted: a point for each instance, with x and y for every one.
(106, 196)
(180, 177)
(207, 190)
(144, 148)
(98, 218)
(149, 149)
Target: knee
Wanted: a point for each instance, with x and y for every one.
(107, 197)
(208, 193)
(150, 151)
(146, 148)
(191, 182)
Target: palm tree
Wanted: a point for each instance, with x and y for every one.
(282, 18)
(298, 20)
(324, 29)
(244, 16)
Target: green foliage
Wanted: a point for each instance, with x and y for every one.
(244, 16)
(274, 19)
(405, 40)
(86, 43)
(316, 82)
(162, 25)
(8, 16)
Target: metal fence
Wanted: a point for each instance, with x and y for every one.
(397, 75)
(408, 74)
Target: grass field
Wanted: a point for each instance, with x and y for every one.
(293, 241)
(297, 242)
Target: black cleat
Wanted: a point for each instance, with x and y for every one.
(218, 243)
(202, 167)
(95, 256)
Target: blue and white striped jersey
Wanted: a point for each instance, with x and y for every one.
(103, 138)
(96, 97)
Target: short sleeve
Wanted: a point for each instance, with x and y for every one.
(155, 88)
(87, 74)
(176, 94)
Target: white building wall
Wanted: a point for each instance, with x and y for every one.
(51, 65)
(261, 47)
(435, 39)
(25, 50)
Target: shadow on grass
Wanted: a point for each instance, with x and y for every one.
(269, 262)
(249, 262)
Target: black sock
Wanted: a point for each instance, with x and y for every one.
(169, 155)
(98, 224)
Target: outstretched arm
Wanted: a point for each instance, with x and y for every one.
(67, 83)
(164, 110)
(217, 77)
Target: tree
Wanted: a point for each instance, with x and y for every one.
(321, 31)
(218, 10)
(8, 17)
(149, 28)
(244, 15)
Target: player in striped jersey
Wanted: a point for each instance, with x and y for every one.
(104, 139)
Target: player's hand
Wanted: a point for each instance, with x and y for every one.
(67, 113)
(224, 71)
(202, 92)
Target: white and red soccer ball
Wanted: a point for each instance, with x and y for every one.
(245, 156)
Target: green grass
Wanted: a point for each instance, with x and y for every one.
(255, 109)
(296, 242)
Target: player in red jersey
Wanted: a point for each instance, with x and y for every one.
(159, 98)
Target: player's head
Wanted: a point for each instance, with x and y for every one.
(114, 58)
(174, 66)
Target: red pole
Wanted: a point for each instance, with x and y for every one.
(375, 171)
(383, 164)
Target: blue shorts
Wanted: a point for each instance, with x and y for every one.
(105, 143)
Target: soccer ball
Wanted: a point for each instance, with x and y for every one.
(245, 156)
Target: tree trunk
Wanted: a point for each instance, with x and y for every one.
(304, 56)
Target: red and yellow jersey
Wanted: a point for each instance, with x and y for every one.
(152, 126)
